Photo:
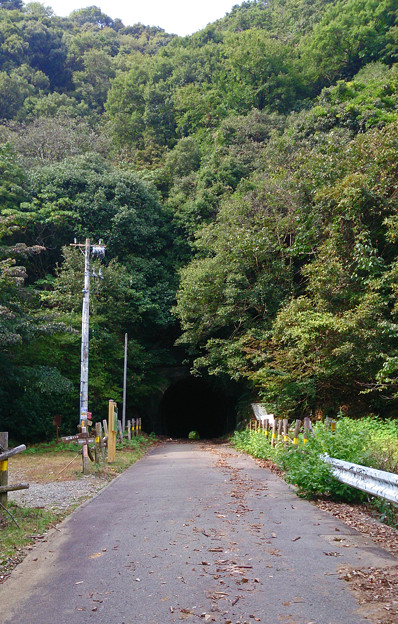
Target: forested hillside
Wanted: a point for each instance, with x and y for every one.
(244, 180)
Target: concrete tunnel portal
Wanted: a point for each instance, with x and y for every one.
(193, 404)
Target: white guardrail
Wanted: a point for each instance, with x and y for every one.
(370, 480)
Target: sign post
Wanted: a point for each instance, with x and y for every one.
(57, 420)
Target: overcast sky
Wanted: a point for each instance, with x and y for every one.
(182, 17)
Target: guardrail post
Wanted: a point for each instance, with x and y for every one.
(285, 431)
(129, 430)
(296, 432)
(280, 425)
(274, 430)
(307, 429)
(4, 467)
(266, 427)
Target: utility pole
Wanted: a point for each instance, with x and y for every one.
(97, 250)
(124, 383)
(85, 336)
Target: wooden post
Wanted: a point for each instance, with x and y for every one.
(4, 468)
(285, 431)
(102, 442)
(105, 424)
(129, 430)
(112, 427)
(133, 427)
(139, 425)
(266, 427)
(274, 430)
(280, 425)
(13, 488)
(307, 429)
(98, 440)
(296, 432)
(85, 451)
(120, 430)
(333, 425)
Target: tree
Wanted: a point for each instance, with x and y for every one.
(11, 5)
(93, 15)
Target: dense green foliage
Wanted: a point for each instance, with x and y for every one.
(368, 442)
(244, 180)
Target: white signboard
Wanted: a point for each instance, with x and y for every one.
(261, 413)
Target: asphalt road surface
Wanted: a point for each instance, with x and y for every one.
(192, 532)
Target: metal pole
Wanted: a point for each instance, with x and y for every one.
(85, 337)
(124, 384)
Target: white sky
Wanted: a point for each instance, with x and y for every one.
(182, 17)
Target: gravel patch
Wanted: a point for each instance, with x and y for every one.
(60, 495)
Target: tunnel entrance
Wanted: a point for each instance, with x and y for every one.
(192, 404)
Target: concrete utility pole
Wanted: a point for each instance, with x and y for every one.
(98, 251)
(85, 336)
(124, 383)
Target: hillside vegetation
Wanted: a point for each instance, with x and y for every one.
(244, 180)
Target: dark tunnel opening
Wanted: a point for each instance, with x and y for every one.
(192, 404)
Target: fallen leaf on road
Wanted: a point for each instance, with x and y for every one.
(218, 549)
(96, 555)
(333, 554)
(296, 538)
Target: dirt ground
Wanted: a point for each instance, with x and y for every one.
(44, 468)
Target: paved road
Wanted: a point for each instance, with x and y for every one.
(191, 531)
